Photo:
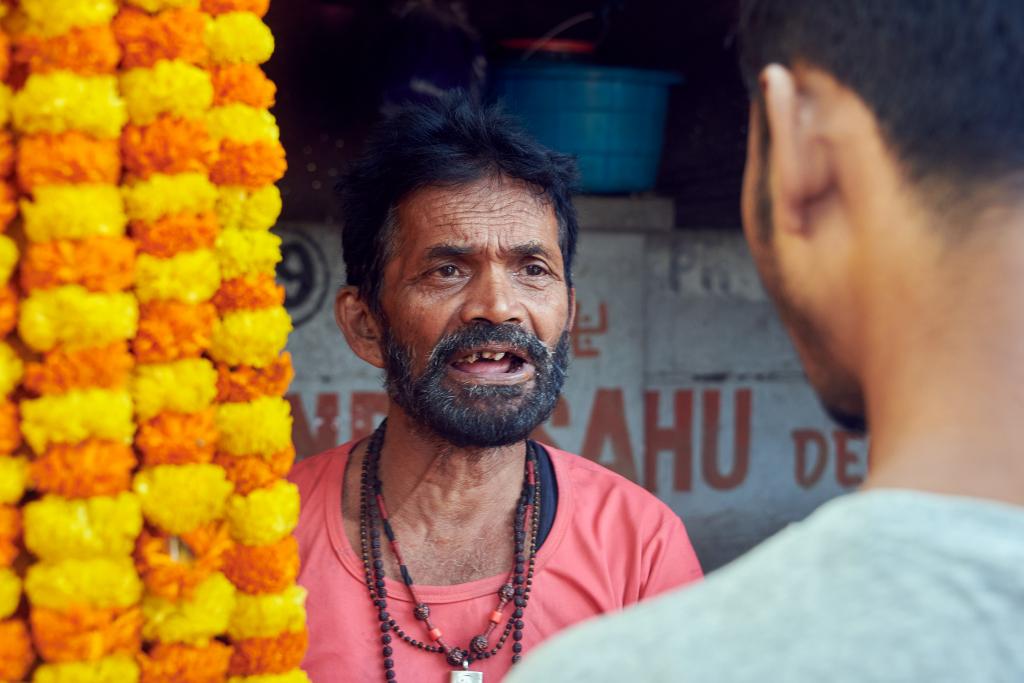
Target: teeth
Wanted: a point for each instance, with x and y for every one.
(499, 355)
(471, 358)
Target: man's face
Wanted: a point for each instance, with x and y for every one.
(476, 312)
(840, 392)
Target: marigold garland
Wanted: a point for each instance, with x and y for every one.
(10, 592)
(296, 676)
(69, 157)
(86, 50)
(11, 369)
(113, 669)
(272, 655)
(251, 337)
(169, 330)
(16, 654)
(172, 567)
(86, 633)
(257, 7)
(263, 568)
(103, 526)
(169, 87)
(53, 18)
(190, 277)
(176, 233)
(265, 515)
(10, 532)
(168, 145)
(252, 472)
(249, 164)
(247, 252)
(8, 309)
(61, 101)
(237, 37)
(8, 257)
(194, 621)
(13, 479)
(179, 498)
(161, 194)
(146, 39)
(10, 429)
(185, 386)
(178, 438)
(242, 123)
(154, 6)
(252, 291)
(244, 383)
(100, 264)
(99, 582)
(90, 468)
(262, 426)
(241, 208)
(73, 212)
(174, 662)
(8, 208)
(76, 416)
(262, 616)
(61, 370)
(74, 316)
(242, 84)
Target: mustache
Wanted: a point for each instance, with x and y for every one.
(524, 344)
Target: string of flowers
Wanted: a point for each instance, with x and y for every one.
(75, 322)
(268, 626)
(16, 653)
(168, 153)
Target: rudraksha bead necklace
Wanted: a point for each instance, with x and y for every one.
(373, 517)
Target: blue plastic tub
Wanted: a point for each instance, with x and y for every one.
(611, 118)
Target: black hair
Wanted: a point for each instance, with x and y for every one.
(944, 78)
(447, 142)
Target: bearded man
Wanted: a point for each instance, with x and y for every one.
(448, 544)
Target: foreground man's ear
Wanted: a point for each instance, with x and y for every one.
(798, 153)
(360, 327)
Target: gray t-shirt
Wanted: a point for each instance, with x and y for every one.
(880, 586)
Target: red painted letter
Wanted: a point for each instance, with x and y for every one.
(802, 438)
(366, 406)
(845, 458)
(608, 421)
(713, 475)
(306, 442)
(678, 438)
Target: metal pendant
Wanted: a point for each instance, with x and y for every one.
(466, 676)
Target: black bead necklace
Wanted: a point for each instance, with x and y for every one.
(373, 516)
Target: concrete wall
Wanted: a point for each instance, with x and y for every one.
(682, 381)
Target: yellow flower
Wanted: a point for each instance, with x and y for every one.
(293, 676)
(51, 18)
(5, 104)
(264, 516)
(76, 416)
(161, 194)
(103, 526)
(170, 87)
(73, 212)
(74, 316)
(113, 669)
(13, 479)
(154, 6)
(8, 258)
(251, 337)
(11, 369)
(10, 592)
(99, 582)
(247, 252)
(242, 123)
(179, 498)
(263, 616)
(191, 277)
(183, 386)
(204, 616)
(260, 427)
(61, 101)
(239, 37)
(242, 209)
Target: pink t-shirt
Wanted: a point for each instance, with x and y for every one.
(611, 545)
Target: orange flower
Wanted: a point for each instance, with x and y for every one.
(86, 633)
(169, 145)
(265, 568)
(275, 655)
(172, 568)
(98, 263)
(178, 438)
(242, 84)
(248, 292)
(10, 431)
(10, 532)
(8, 205)
(6, 155)
(91, 468)
(173, 34)
(16, 655)
(101, 367)
(257, 7)
(171, 330)
(5, 66)
(87, 51)
(252, 472)
(245, 383)
(173, 662)
(249, 164)
(176, 233)
(63, 158)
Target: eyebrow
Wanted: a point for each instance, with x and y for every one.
(446, 250)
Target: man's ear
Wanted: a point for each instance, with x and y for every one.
(798, 156)
(572, 310)
(359, 325)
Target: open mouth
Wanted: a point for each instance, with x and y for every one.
(492, 363)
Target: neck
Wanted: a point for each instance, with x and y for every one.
(945, 375)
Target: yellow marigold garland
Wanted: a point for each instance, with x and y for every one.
(103, 526)
(181, 498)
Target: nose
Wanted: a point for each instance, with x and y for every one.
(491, 297)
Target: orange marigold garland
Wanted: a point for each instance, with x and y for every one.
(173, 566)
(171, 663)
(171, 144)
(253, 291)
(86, 50)
(61, 370)
(145, 39)
(83, 633)
(263, 569)
(90, 468)
(16, 654)
(274, 655)
(99, 263)
(242, 84)
(257, 7)
(176, 233)
(68, 157)
(169, 330)
(10, 533)
(173, 438)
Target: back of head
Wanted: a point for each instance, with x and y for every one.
(942, 78)
(449, 142)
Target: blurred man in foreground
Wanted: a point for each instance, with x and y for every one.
(884, 206)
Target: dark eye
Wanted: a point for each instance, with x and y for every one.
(447, 271)
(534, 270)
